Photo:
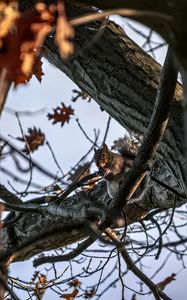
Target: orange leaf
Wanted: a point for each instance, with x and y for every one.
(64, 33)
(61, 114)
(70, 296)
(161, 285)
(20, 47)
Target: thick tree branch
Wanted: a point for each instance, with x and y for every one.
(154, 133)
(7, 196)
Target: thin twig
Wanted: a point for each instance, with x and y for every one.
(129, 13)
(168, 225)
(54, 157)
(8, 289)
(121, 278)
(107, 129)
(30, 159)
(34, 163)
(19, 179)
(84, 132)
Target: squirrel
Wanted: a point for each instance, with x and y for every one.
(113, 166)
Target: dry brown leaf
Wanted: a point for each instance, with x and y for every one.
(61, 114)
(70, 296)
(37, 69)
(80, 94)
(75, 283)
(34, 139)
(90, 294)
(161, 285)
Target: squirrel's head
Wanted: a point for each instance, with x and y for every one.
(103, 157)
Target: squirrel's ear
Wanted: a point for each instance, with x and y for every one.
(105, 146)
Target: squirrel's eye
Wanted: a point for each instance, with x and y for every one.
(103, 155)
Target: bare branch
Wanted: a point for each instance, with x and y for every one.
(131, 266)
(128, 13)
(7, 196)
(66, 257)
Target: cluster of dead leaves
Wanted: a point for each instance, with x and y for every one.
(33, 140)
(61, 114)
(22, 36)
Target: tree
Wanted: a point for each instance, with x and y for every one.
(132, 83)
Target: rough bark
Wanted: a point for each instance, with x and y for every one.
(123, 80)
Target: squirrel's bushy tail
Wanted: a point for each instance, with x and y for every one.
(128, 145)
